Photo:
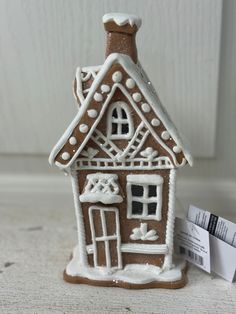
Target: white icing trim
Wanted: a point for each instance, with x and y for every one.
(65, 156)
(98, 97)
(130, 83)
(149, 153)
(85, 91)
(146, 81)
(82, 258)
(145, 107)
(117, 76)
(90, 71)
(105, 144)
(135, 72)
(165, 135)
(119, 106)
(83, 128)
(105, 88)
(155, 122)
(100, 197)
(144, 248)
(170, 220)
(132, 273)
(137, 97)
(138, 248)
(144, 180)
(150, 128)
(90, 153)
(141, 233)
(92, 113)
(136, 143)
(100, 175)
(128, 164)
(101, 187)
(79, 89)
(177, 149)
(122, 18)
(73, 140)
(117, 85)
(106, 238)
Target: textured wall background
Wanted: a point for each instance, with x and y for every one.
(183, 45)
(42, 42)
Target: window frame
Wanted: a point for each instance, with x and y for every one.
(119, 121)
(145, 180)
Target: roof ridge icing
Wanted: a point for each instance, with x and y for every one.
(122, 18)
(140, 77)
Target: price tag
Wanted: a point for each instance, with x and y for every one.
(193, 242)
(222, 241)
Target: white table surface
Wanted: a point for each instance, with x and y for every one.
(37, 234)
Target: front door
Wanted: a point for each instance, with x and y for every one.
(105, 231)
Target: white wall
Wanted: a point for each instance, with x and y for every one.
(43, 41)
(223, 165)
(51, 84)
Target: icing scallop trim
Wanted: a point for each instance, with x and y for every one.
(122, 18)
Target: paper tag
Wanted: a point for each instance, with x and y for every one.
(222, 241)
(193, 242)
(219, 227)
(223, 258)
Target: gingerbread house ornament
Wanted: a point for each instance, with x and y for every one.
(122, 152)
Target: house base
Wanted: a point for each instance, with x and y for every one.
(133, 276)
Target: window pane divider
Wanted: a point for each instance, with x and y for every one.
(145, 200)
(106, 238)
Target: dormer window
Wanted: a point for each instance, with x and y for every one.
(119, 123)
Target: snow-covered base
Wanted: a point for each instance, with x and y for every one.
(139, 274)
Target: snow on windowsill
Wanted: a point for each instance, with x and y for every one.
(105, 198)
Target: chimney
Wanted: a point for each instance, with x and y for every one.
(121, 31)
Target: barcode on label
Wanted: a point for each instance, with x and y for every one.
(192, 255)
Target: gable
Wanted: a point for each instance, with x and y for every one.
(120, 72)
(124, 148)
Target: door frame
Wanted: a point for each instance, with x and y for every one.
(106, 238)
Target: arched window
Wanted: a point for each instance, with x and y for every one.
(119, 122)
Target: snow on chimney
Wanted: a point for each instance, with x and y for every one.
(121, 30)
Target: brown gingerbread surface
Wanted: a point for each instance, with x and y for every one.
(122, 152)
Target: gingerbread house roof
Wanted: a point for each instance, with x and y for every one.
(83, 79)
(99, 95)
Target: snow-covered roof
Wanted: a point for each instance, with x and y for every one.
(122, 19)
(87, 118)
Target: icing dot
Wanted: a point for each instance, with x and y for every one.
(137, 97)
(117, 77)
(92, 113)
(155, 122)
(105, 88)
(130, 83)
(98, 97)
(165, 135)
(65, 156)
(72, 140)
(83, 128)
(145, 107)
(177, 149)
